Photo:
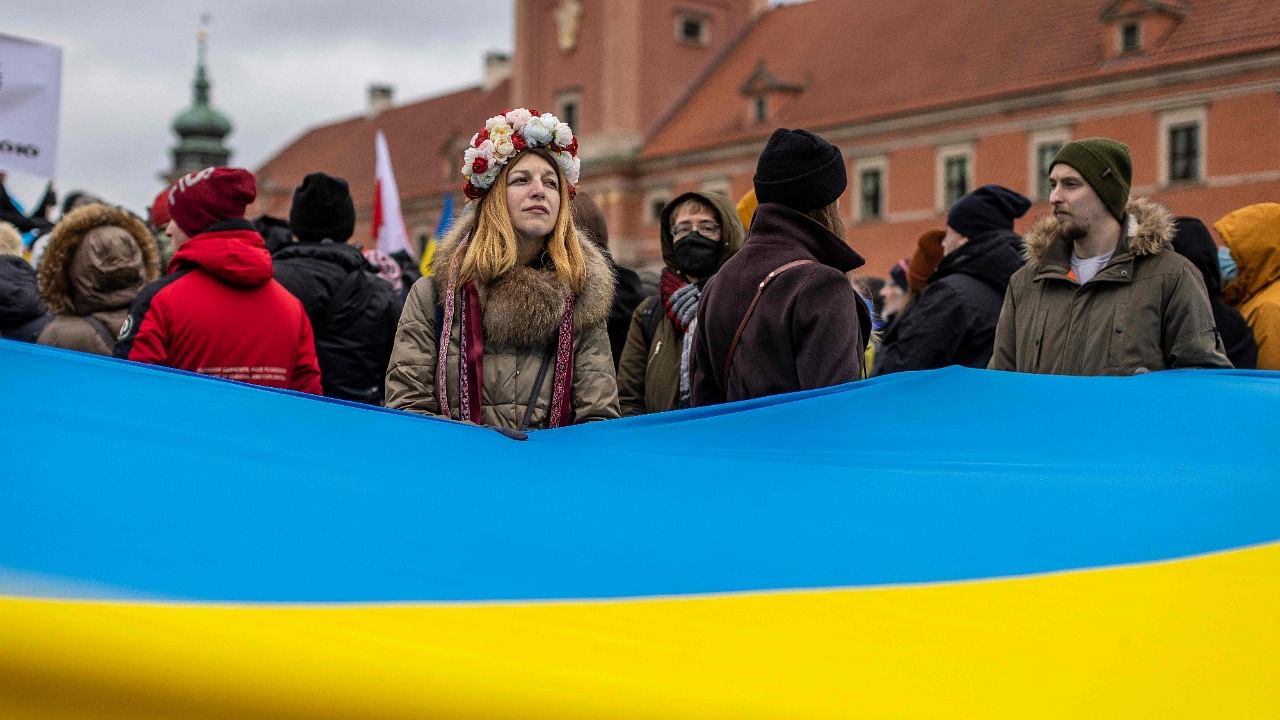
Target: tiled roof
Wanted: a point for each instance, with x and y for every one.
(866, 60)
(416, 133)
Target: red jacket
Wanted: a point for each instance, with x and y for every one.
(219, 312)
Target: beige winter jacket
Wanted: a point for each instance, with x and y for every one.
(521, 312)
(99, 257)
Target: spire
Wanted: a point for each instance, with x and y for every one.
(200, 128)
(201, 85)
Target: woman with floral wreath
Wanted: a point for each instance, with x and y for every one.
(510, 328)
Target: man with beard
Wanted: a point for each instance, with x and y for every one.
(1103, 292)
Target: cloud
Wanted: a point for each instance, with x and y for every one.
(277, 69)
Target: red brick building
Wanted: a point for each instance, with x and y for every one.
(927, 100)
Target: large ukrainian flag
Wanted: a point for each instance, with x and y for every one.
(957, 544)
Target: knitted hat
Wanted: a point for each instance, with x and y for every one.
(990, 207)
(200, 199)
(800, 170)
(1104, 164)
(322, 208)
(925, 259)
(898, 274)
(160, 209)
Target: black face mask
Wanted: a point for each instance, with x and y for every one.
(696, 255)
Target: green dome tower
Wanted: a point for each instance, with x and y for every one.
(200, 128)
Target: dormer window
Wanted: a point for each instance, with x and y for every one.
(760, 108)
(1135, 27)
(765, 92)
(693, 29)
(1130, 37)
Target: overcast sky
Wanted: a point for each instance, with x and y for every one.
(277, 67)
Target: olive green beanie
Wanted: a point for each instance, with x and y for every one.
(1104, 164)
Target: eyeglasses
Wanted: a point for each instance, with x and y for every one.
(704, 228)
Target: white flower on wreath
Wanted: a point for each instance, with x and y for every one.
(538, 131)
(517, 118)
(569, 165)
(486, 179)
(503, 147)
(497, 124)
(563, 135)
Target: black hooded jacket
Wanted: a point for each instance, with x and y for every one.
(953, 322)
(22, 313)
(1192, 240)
(353, 313)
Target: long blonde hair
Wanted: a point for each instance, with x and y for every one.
(494, 250)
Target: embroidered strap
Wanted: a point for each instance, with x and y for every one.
(442, 348)
(562, 390)
(733, 346)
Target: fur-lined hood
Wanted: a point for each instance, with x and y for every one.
(98, 258)
(524, 307)
(1148, 230)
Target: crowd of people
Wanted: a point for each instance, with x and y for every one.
(525, 321)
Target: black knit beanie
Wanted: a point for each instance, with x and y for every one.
(800, 170)
(1104, 164)
(990, 207)
(898, 275)
(322, 208)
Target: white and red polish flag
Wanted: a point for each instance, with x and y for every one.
(388, 223)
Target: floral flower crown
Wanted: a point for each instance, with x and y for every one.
(507, 135)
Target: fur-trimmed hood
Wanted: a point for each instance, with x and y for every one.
(524, 306)
(98, 258)
(1148, 230)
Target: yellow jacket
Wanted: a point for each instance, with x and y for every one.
(1253, 235)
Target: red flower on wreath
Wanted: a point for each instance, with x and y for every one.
(471, 191)
(573, 147)
(479, 165)
(517, 140)
(481, 137)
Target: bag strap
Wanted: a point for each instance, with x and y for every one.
(733, 346)
(103, 332)
(650, 317)
(548, 352)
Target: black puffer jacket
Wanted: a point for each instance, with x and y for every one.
(352, 311)
(22, 313)
(953, 322)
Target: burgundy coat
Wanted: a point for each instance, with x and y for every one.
(809, 328)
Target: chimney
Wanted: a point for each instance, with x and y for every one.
(379, 99)
(497, 67)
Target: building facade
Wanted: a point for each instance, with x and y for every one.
(926, 100)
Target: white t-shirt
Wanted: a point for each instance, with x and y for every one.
(1085, 268)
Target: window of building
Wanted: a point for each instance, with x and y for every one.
(953, 174)
(1182, 146)
(1184, 153)
(760, 108)
(871, 188)
(1042, 147)
(955, 179)
(693, 29)
(870, 198)
(1130, 37)
(569, 108)
(1045, 153)
(654, 202)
